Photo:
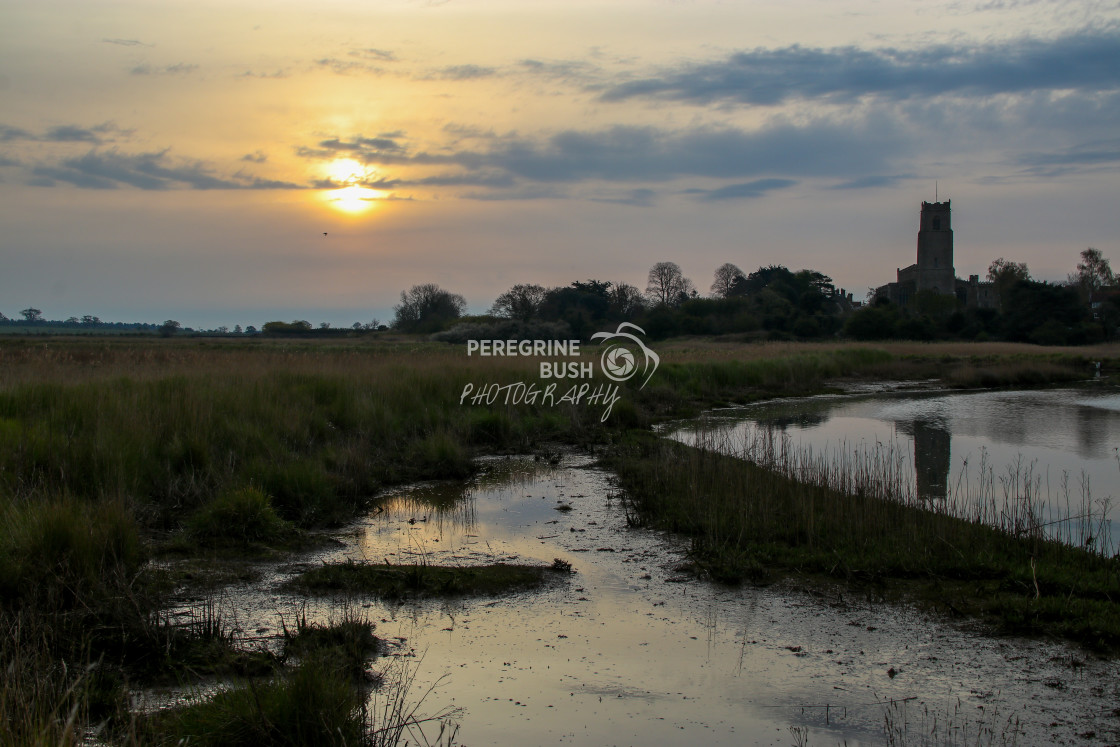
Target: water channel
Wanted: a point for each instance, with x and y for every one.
(1056, 448)
(630, 650)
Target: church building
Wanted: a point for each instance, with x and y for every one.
(934, 269)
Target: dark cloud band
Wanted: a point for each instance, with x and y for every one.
(1088, 62)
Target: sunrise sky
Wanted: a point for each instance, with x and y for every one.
(185, 159)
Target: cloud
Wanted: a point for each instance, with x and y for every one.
(126, 42)
(14, 133)
(176, 69)
(524, 193)
(1087, 156)
(1085, 61)
(147, 171)
(635, 197)
(347, 67)
(873, 181)
(522, 167)
(569, 71)
(625, 153)
(275, 75)
(364, 145)
(464, 72)
(744, 191)
(464, 131)
(471, 179)
(69, 133)
(381, 55)
(380, 183)
(256, 157)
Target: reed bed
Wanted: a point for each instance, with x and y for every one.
(1016, 501)
(854, 519)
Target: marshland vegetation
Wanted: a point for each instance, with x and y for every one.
(115, 453)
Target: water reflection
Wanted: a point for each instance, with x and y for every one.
(932, 457)
(1056, 447)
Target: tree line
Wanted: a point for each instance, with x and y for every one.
(1082, 309)
(772, 303)
(776, 303)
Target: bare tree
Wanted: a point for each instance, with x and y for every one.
(727, 275)
(667, 285)
(521, 302)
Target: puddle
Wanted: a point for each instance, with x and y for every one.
(629, 651)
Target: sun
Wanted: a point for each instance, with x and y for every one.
(350, 196)
(346, 171)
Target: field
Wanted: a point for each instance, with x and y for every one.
(118, 452)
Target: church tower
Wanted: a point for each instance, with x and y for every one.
(935, 249)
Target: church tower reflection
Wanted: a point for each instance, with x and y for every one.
(932, 458)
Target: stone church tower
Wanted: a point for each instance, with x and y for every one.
(934, 269)
(935, 249)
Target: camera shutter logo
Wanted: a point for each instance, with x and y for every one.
(620, 359)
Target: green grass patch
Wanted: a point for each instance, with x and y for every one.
(397, 581)
(239, 516)
(344, 645)
(311, 706)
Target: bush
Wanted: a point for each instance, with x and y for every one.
(242, 515)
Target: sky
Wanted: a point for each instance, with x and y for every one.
(236, 162)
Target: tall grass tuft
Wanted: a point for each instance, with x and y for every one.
(243, 515)
(311, 706)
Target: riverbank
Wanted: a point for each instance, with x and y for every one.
(753, 524)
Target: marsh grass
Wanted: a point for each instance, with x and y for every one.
(204, 644)
(344, 645)
(907, 723)
(44, 700)
(699, 374)
(750, 522)
(109, 447)
(328, 698)
(420, 579)
(309, 706)
(319, 430)
(1014, 501)
(241, 516)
